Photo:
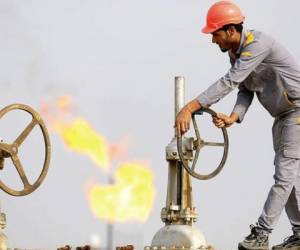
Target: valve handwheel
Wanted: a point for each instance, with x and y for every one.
(198, 144)
(11, 150)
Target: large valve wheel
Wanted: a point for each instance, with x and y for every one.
(198, 144)
(11, 150)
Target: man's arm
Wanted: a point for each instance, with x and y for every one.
(183, 118)
(252, 55)
(244, 100)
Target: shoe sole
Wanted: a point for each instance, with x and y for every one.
(243, 248)
(286, 248)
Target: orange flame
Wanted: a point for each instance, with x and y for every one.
(80, 137)
(132, 195)
(76, 133)
(131, 198)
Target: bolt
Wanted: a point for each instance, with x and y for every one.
(14, 149)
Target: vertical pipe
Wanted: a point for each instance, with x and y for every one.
(179, 183)
(179, 103)
(110, 226)
(174, 178)
(184, 189)
(179, 93)
(109, 235)
(174, 182)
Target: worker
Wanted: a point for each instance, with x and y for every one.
(261, 66)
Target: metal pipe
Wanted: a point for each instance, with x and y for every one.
(179, 93)
(179, 213)
(110, 226)
(179, 103)
(109, 235)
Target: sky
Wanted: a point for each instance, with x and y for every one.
(118, 60)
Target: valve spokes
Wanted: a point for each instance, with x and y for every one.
(11, 150)
(198, 144)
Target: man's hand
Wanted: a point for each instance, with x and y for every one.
(222, 120)
(182, 123)
(183, 118)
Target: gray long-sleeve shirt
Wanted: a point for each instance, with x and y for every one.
(264, 67)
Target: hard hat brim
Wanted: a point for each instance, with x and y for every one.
(208, 30)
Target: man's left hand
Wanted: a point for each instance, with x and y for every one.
(222, 120)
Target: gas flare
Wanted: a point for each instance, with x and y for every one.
(130, 198)
(76, 133)
(79, 136)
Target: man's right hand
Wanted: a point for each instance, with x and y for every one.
(183, 118)
(182, 123)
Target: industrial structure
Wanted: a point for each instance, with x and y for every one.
(179, 214)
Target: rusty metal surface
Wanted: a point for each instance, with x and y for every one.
(86, 247)
(183, 217)
(66, 247)
(128, 247)
(199, 143)
(11, 150)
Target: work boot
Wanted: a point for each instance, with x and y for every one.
(258, 239)
(289, 243)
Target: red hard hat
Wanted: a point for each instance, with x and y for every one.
(220, 14)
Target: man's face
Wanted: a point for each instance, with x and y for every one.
(222, 38)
